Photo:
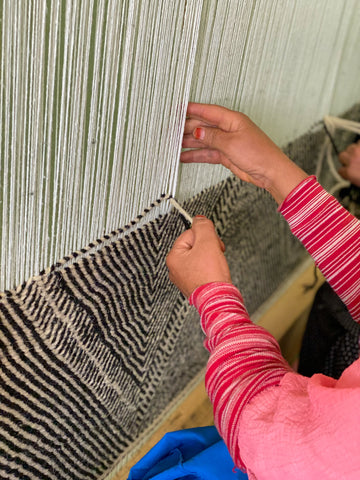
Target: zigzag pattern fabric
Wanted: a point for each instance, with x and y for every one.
(84, 349)
(81, 357)
(92, 351)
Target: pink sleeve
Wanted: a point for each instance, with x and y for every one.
(244, 358)
(331, 235)
(248, 378)
(304, 428)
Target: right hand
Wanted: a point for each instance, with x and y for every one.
(197, 257)
(219, 135)
(350, 160)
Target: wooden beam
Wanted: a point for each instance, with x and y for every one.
(290, 301)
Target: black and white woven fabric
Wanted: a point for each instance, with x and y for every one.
(94, 350)
(331, 338)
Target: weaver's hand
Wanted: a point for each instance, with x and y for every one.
(350, 160)
(197, 258)
(219, 135)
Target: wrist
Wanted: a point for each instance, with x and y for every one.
(283, 178)
(204, 293)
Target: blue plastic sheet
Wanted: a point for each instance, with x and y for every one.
(193, 454)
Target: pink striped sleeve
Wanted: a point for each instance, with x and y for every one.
(331, 235)
(245, 359)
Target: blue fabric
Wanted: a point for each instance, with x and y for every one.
(193, 454)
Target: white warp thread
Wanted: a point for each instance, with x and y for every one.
(94, 93)
(93, 102)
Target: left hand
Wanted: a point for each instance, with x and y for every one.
(216, 134)
(197, 258)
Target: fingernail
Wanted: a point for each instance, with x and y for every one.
(200, 216)
(199, 133)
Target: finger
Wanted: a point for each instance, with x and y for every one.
(213, 115)
(190, 142)
(204, 134)
(222, 245)
(352, 148)
(202, 155)
(343, 171)
(185, 241)
(206, 223)
(344, 158)
(214, 157)
(192, 123)
(212, 137)
(204, 230)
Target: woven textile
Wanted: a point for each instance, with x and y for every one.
(92, 351)
(331, 338)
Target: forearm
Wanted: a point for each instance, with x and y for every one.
(244, 358)
(331, 235)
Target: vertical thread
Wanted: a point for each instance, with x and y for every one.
(93, 99)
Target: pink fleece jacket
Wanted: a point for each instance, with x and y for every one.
(276, 423)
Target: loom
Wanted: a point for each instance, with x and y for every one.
(95, 341)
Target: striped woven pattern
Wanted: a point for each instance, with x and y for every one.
(92, 351)
(78, 346)
(85, 348)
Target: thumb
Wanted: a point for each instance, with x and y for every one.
(204, 230)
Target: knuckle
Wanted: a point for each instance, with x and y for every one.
(212, 136)
(242, 116)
